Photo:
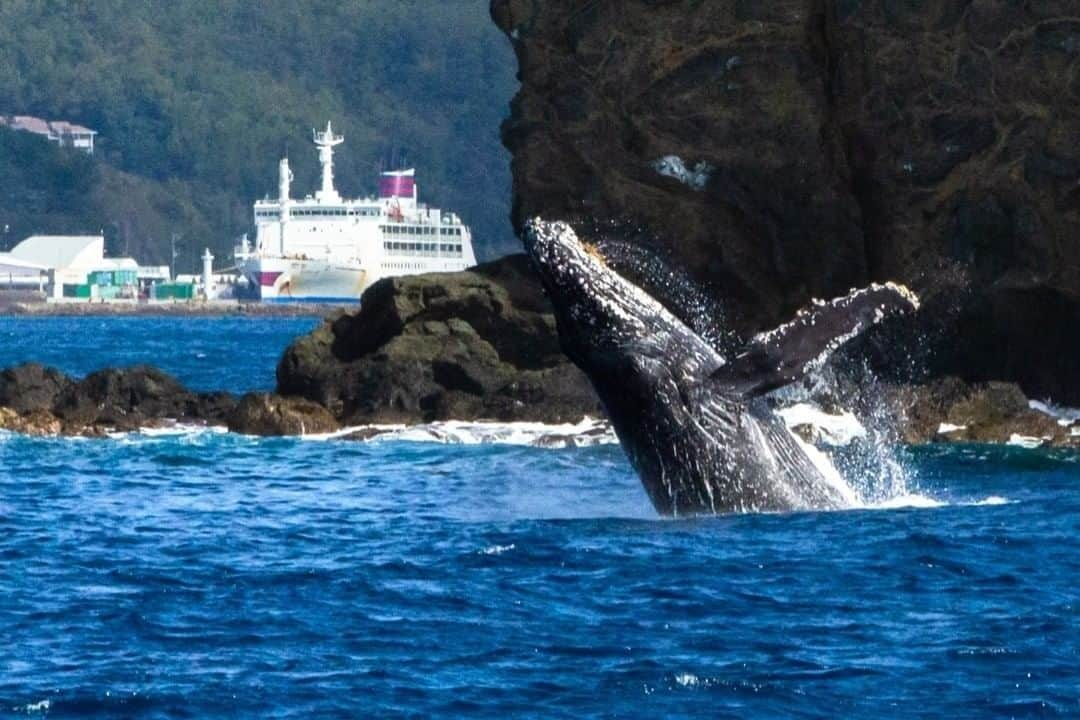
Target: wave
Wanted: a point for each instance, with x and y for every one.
(40, 707)
(587, 433)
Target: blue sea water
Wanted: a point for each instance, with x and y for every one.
(205, 353)
(200, 574)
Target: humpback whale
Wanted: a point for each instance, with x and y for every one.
(694, 424)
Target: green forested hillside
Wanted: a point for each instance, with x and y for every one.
(196, 100)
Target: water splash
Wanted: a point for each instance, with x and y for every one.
(868, 460)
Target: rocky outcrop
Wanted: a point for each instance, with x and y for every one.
(950, 410)
(38, 423)
(479, 344)
(31, 386)
(132, 398)
(43, 401)
(793, 149)
(273, 415)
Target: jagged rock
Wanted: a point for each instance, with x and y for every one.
(40, 423)
(31, 387)
(46, 401)
(132, 398)
(273, 415)
(796, 148)
(479, 344)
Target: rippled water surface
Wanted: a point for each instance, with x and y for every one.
(205, 353)
(200, 574)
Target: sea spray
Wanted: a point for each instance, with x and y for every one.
(866, 456)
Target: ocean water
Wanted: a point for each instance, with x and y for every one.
(200, 574)
(205, 353)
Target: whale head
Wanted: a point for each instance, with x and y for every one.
(600, 313)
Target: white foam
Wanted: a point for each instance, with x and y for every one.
(587, 433)
(497, 549)
(993, 500)
(832, 429)
(42, 706)
(911, 500)
(1064, 415)
(1025, 441)
(183, 429)
(687, 679)
(172, 430)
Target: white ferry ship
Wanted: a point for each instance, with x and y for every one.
(328, 249)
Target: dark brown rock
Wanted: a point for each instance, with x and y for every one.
(31, 387)
(841, 141)
(132, 398)
(273, 415)
(987, 413)
(113, 399)
(474, 345)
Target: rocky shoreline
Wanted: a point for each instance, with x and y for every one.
(474, 346)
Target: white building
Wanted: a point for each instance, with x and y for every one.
(65, 259)
(61, 132)
(16, 273)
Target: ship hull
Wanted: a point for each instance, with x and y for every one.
(286, 280)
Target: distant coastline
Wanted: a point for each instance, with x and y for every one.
(19, 304)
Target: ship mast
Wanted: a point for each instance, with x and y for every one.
(285, 178)
(326, 141)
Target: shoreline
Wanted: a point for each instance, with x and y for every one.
(21, 308)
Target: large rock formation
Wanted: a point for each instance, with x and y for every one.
(476, 345)
(789, 149)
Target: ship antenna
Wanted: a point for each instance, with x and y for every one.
(326, 141)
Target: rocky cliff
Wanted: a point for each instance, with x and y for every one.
(797, 148)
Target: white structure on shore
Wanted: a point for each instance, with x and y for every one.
(66, 262)
(326, 248)
(61, 132)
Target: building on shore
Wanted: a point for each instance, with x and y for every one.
(69, 267)
(61, 132)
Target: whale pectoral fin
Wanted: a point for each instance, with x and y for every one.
(786, 354)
